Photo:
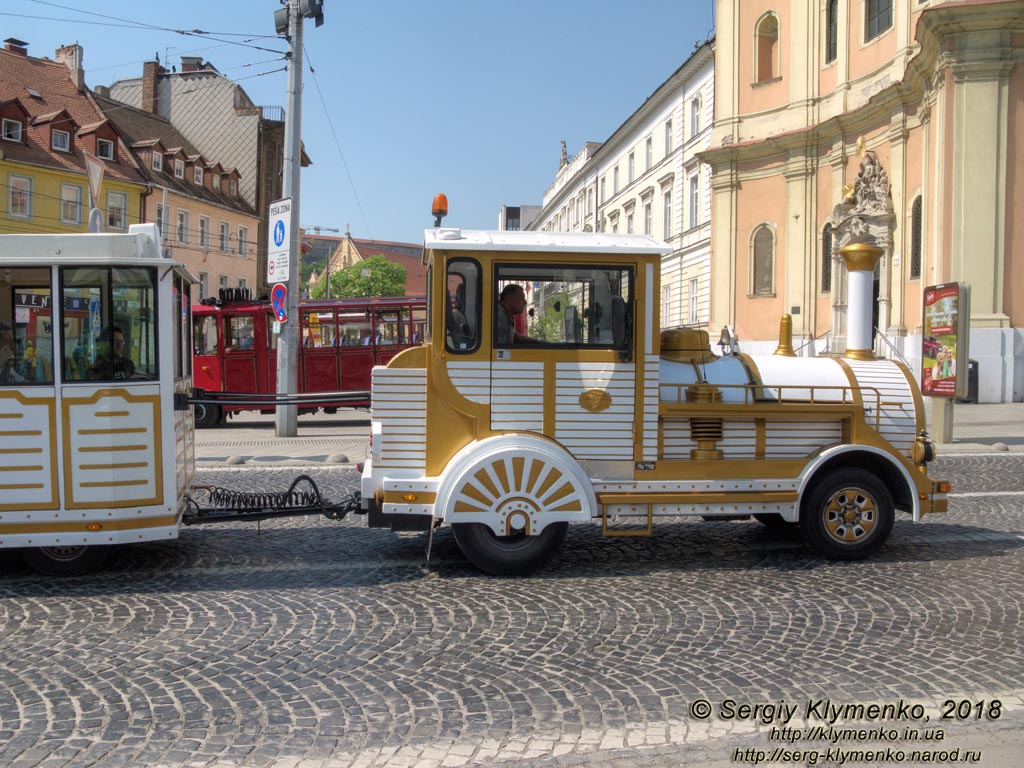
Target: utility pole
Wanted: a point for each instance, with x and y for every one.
(318, 230)
(290, 19)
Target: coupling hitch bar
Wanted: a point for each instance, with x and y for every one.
(226, 505)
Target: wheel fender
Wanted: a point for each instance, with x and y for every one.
(810, 472)
(518, 480)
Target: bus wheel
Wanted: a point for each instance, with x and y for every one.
(515, 555)
(206, 415)
(848, 515)
(66, 561)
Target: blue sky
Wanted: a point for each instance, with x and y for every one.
(408, 97)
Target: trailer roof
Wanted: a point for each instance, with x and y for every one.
(570, 242)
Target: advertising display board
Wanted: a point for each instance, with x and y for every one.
(947, 309)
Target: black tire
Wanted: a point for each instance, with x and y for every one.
(206, 415)
(515, 555)
(773, 520)
(848, 515)
(66, 561)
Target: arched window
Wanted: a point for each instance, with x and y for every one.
(915, 239)
(826, 259)
(767, 48)
(762, 271)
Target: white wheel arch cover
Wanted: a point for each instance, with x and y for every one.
(514, 481)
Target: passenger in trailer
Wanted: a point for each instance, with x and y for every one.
(111, 362)
(8, 357)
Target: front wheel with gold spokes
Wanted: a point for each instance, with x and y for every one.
(848, 515)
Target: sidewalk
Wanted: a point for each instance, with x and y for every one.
(343, 438)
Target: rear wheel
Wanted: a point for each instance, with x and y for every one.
(513, 555)
(66, 561)
(848, 515)
(206, 415)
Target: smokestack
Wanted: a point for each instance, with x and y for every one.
(860, 260)
(16, 46)
(151, 70)
(71, 56)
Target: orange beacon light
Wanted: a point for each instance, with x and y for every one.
(440, 208)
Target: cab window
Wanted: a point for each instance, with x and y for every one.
(570, 306)
(462, 313)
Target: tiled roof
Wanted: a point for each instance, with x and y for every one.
(409, 255)
(52, 81)
(143, 129)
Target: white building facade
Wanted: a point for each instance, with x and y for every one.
(646, 179)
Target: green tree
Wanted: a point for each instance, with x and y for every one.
(549, 326)
(382, 278)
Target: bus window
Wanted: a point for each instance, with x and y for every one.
(204, 334)
(238, 333)
(317, 329)
(327, 334)
(26, 327)
(419, 324)
(390, 328)
(353, 327)
(120, 332)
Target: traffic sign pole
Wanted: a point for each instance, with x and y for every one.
(286, 424)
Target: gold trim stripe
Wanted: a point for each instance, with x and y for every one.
(21, 450)
(422, 497)
(121, 431)
(21, 487)
(21, 433)
(9, 529)
(29, 468)
(114, 484)
(112, 413)
(12, 415)
(697, 497)
(126, 465)
(109, 448)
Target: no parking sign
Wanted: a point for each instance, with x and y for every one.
(279, 301)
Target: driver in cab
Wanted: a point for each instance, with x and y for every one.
(511, 302)
(111, 362)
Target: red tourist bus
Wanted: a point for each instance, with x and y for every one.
(235, 348)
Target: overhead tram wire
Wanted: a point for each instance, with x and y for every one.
(188, 33)
(337, 144)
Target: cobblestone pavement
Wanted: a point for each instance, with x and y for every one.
(319, 644)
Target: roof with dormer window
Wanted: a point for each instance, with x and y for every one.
(142, 129)
(59, 104)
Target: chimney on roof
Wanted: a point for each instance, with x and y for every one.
(191, 63)
(71, 55)
(14, 45)
(102, 90)
(151, 70)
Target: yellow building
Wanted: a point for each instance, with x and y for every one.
(935, 91)
(48, 120)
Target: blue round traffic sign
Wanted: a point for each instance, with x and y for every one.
(279, 233)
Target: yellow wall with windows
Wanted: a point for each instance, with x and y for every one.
(46, 204)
